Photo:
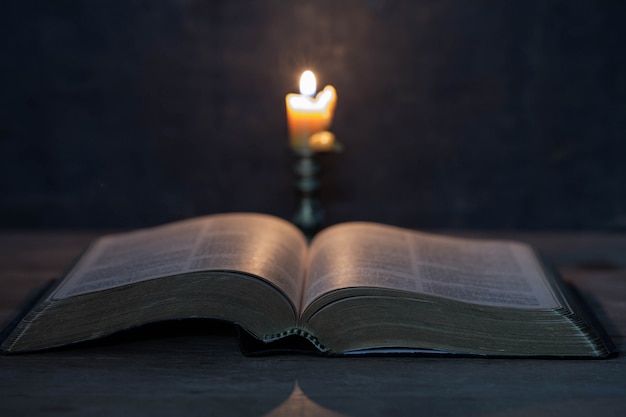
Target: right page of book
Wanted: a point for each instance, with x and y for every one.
(486, 272)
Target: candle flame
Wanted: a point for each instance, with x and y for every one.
(308, 84)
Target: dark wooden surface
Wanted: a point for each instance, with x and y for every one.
(199, 370)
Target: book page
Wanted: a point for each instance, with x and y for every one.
(493, 273)
(252, 243)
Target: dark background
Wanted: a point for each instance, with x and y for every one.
(453, 114)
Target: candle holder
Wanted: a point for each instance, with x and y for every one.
(309, 216)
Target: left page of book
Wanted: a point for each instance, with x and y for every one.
(254, 244)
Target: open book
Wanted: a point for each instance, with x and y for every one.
(357, 288)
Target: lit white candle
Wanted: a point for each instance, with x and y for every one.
(308, 114)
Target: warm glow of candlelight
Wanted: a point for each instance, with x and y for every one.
(322, 141)
(307, 115)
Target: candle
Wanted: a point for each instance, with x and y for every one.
(308, 114)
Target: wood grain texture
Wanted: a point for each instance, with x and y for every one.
(197, 368)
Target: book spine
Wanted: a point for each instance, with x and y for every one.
(297, 332)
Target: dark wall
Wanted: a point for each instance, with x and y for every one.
(476, 114)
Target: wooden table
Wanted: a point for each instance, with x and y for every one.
(198, 369)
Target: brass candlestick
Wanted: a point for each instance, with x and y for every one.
(309, 216)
